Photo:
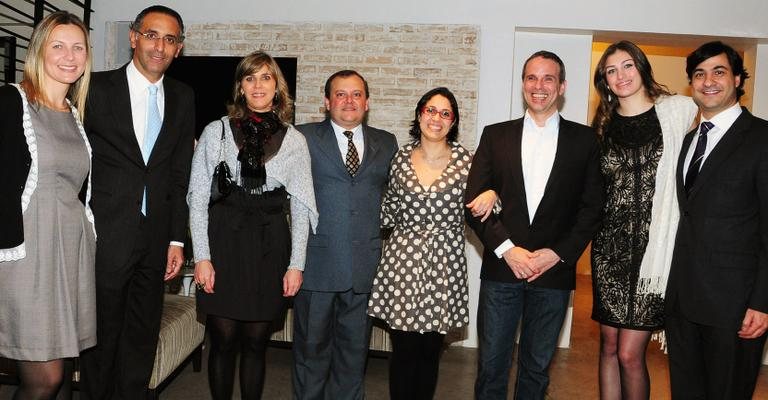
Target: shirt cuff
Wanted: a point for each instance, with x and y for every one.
(180, 244)
(503, 247)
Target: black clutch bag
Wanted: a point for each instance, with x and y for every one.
(221, 182)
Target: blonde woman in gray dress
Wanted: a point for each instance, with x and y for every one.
(47, 238)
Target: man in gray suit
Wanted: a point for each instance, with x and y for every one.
(350, 163)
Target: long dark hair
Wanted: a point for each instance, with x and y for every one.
(453, 133)
(608, 101)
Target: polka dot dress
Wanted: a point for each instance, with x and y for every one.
(421, 282)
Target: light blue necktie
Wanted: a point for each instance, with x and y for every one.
(154, 122)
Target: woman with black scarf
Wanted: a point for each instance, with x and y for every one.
(250, 169)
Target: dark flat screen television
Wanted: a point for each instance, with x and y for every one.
(212, 78)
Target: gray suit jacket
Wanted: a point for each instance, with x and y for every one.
(345, 250)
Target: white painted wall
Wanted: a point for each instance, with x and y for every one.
(575, 50)
(501, 49)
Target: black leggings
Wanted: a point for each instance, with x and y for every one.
(228, 338)
(414, 364)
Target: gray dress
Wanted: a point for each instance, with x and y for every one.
(421, 282)
(49, 297)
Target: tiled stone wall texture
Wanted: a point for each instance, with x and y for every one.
(400, 61)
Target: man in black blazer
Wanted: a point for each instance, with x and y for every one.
(545, 170)
(717, 292)
(141, 128)
(331, 326)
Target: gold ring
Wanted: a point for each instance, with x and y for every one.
(200, 285)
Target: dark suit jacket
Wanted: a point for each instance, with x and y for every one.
(720, 264)
(344, 251)
(568, 215)
(120, 175)
(15, 162)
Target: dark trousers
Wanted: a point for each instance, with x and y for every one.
(707, 362)
(129, 301)
(330, 345)
(501, 306)
(414, 364)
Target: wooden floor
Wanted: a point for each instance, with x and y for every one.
(573, 371)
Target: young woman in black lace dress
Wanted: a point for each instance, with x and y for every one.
(641, 126)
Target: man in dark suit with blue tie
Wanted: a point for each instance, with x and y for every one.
(350, 163)
(717, 292)
(141, 126)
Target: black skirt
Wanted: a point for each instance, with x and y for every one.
(250, 250)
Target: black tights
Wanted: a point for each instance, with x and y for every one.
(228, 338)
(414, 364)
(623, 371)
(44, 380)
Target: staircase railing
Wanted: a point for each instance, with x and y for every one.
(17, 20)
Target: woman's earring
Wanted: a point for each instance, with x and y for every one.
(609, 97)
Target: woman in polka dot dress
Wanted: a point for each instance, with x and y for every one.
(420, 288)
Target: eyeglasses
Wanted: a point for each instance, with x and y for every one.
(432, 111)
(169, 39)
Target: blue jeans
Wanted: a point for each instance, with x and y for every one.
(500, 308)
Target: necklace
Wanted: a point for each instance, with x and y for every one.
(444, 155)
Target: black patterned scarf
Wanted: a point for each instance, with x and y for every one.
(254, 136)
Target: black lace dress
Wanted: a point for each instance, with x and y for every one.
(632, 147)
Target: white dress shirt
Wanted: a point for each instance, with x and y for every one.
(537, 154)
(138, 89)
(722, 122)
(357, 140)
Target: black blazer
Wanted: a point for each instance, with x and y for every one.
(15, 161)
(119, 174)
(720, 263)
(570, 210)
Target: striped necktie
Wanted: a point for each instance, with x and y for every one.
(698, 156)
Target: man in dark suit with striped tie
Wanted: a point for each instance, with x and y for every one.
(717, 292)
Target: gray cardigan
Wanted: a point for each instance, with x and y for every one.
(290, 167)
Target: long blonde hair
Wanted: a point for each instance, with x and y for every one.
(282, 104)
(34, 65)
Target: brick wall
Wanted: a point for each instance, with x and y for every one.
(400, 61)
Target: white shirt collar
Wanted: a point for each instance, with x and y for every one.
(724, 119)
(358, 130)
(551, 124)
(343, 141)
(138, 81)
